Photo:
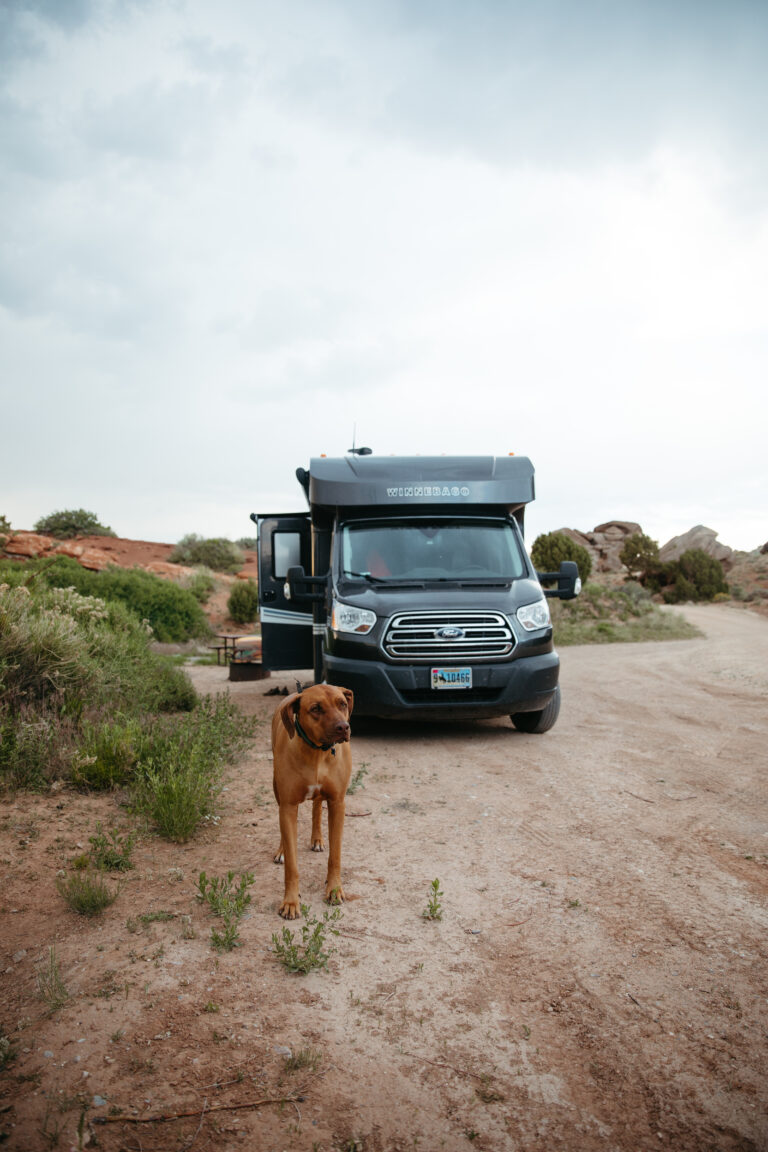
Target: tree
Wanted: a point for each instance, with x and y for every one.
(550, 550)
(639, 555)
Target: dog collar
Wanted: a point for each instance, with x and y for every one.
(320, 747)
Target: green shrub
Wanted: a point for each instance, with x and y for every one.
(108, 753)
(5, 525)
(250, 543)
(243, 602)
(85, 893)
(201, 584)
(111, 851)
(73, 522)
(695, 576)
(549, 551)
(178, 779)
(66, 660)
(217, 553)
(173, 613)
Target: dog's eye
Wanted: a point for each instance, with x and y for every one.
(316, 708)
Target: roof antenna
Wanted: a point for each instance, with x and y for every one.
(358, 451)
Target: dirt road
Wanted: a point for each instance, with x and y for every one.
(598, 979)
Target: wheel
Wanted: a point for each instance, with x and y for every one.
(540, 721)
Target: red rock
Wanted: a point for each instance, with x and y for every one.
(94, 559)
(70, 548)
(28, 544)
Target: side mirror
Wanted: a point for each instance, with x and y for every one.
(568, 581)
(304, 589)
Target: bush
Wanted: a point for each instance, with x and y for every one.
(243, 602)
(66, 525)
(173, 613)
(179, 779)
(250, 543)
(66, 660)
(5, 525)
(549, 551)
(217, 553)
(695, 576)
(201, 584)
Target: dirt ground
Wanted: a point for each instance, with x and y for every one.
(598, 979)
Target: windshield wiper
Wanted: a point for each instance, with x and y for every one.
(390, 581)
(367, 576)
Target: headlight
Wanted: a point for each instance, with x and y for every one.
(346, 618)
(534, 616)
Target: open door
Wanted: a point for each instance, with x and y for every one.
(286, 626)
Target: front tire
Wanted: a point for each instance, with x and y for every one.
(540, 721)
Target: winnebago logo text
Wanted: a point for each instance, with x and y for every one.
(429, 490)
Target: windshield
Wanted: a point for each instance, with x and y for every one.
(431, 549)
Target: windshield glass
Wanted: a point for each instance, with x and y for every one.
(431, 549)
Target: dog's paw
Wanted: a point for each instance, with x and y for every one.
(334, 895)
(317, 846)
(290, 910)
(278, 857)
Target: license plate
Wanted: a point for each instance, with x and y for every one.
(451, 677)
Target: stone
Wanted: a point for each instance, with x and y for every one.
(164, 568)
(28, 544)
(69, 548)
(699, 537)
(94, 559)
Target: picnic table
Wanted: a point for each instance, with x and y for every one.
(242, 652)
(237, 646)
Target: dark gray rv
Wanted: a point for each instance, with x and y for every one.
(408, 582)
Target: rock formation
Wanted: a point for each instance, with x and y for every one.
(604, 543)
(699, 537)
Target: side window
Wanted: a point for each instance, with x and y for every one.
(286, 553)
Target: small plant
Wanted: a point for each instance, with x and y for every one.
(110, 851)
(357, 780)
(7, 1052)
(211, 1007)
(243, 602)
(228, 901)
(305, 1058)
(86, 894)
(434, 909)
(312, 952)
(73, 522)
(50, 983)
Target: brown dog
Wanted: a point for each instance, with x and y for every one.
(312, 761)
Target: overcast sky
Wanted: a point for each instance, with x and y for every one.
(237, 235)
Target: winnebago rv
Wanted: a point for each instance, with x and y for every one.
(408, 582)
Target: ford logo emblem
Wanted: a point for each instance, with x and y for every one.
(450, 633)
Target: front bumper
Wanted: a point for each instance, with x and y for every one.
(392, 691)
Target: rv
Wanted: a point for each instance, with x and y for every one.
(408, 581)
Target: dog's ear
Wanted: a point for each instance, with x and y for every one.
(289, 709)
(350, 699)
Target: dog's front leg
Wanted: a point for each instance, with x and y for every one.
(334, 892)
(317, 825)
(290, 909)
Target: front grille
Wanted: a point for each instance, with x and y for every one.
(478, 636)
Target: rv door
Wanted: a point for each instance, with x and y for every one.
(286, 626)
